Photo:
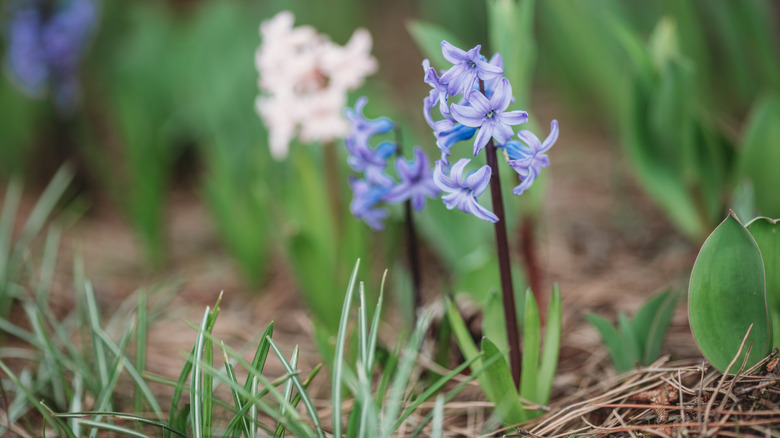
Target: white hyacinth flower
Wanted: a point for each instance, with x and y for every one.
(304, 80)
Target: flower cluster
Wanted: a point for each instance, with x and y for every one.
(304, 78)
(480, 113)
(46, 40)
(416, 177)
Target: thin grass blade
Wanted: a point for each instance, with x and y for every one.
(338, 362)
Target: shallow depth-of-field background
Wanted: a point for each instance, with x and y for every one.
(668, 115)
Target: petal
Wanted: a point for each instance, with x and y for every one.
(530, 139)
(482, 138)
(467, 115)
(550, 140)
(478, 181)
(452, 53)
(457, 171)
(502, 95)
(513, 117)
(487, 71)
(525, 184)
(442, 181)
(502, 132)
(479, 102)
(476, 209)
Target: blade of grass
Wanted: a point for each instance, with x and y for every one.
(141, 331)
(93, 317)
(362, 326)
(438, 418)
(239, 417)
(196, 394)
(52, 357)
(61, 428)
(338, 362)
(401, 378)
(48, 264)
(488, 362)
(374, 332)
(13, 196)
(433, 389)
(121, 416)
(293, 421)
(288, 391)
(307, 402)
(43, 208)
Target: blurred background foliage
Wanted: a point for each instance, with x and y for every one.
(687, 88)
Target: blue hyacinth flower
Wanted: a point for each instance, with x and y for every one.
(462, 193)
(528, 159)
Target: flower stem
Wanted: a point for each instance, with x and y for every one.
(502, 244)
(412, 249)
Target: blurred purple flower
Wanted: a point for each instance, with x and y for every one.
(365, 197)
(416, 181)
(361, 128)
(45, 44)
(468, 68)
(528, 159)
(438, 94)
(489, 115)
(363, 158)
(462, 193)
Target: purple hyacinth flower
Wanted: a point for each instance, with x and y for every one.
(365, 197)
(438, 94)
(468, 68)
(416, 181)
(362, 128)
(45, 44)
(490, 115)
(462, 193)
(528, 159)
(491, 84)
(373, 162)
(25, 58)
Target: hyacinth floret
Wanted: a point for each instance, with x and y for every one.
(365, 199)
(528, 159)
(462, 193)
(468, 68)
(490, 115)
(416, 181)
(45, 45)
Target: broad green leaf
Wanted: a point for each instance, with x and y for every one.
(508, 406)
(466, 343)
(727, 295)
(761, 153)
(767, 234)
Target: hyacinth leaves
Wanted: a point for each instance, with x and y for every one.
(637, 341)
(540, 360)
(727, 293)
(681, 160)
(766, 232)
(760, 155)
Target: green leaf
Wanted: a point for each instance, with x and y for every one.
(766, 232)
(760, 154)
(493, 326)
(727, 295)
(532, 337)
(614, 342)
(508, 406)
(551, 347)
(651, 324)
